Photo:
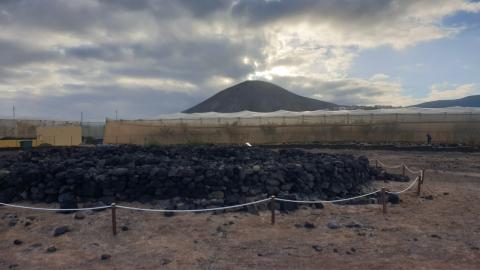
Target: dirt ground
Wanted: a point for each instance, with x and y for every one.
(418, 233)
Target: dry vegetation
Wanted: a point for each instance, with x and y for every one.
(443, 233)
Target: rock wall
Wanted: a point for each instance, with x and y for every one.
(196, 176)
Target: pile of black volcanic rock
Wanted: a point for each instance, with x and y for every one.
(196, 176)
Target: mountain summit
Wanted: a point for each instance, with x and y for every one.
(258, 96)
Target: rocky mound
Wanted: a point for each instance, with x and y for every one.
(258, 96)
(190, 176)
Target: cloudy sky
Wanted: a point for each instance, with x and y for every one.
(145, 58)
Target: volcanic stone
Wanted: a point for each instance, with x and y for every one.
(61, 230)
(333, 225)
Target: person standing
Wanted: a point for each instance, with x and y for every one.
(429, 139)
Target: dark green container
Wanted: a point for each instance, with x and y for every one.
(26, 144)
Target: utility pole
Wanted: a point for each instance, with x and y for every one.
(81, 118)
(116, 115)
(15, 122)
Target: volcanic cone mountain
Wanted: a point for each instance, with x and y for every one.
(258, 96)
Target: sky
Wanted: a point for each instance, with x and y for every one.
(144, 58)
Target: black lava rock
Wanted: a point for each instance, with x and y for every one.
(61, 230)
(333, 225)
(67, 201)
(105, 257)
(17, 242)
(195, 176)
(393, 198)
(309, 225)
(51, 249)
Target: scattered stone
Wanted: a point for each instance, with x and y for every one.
(33, 247)
(393, 198)
(428, 197)
(165, 261)
(17, 242)
(309, 225)
(415, 239)
(169, 214)
(435, 236)
(353, 224)
(333, 225)
(124, 228)
(446, 193)
(335, 250)
(12, 266)
(221, 232)
(79, 216)
(61, 230)
(317, 248)
(12, 222)
(105, 257)
(28, 223)
(51, 249)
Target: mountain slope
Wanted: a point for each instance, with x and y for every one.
(470, 101)
(258, 96)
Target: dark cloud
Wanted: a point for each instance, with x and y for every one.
(98, 102)
(74, 54)
(204, 8)
(338, 11)
(13, 53)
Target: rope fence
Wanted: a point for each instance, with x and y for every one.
(193, 210)
(55, 209)
(271, 200)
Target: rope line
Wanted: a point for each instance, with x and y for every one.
(192, 210)
(54, 209)
(390, 167)
(409, 187)
(331, 201)
(412, 171)
(398, 167)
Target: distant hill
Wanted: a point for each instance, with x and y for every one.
(470, 101)
(258, 96)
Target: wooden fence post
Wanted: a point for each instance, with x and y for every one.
(420, 182)
(272, 209)
(384, 200)
(114, 218)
